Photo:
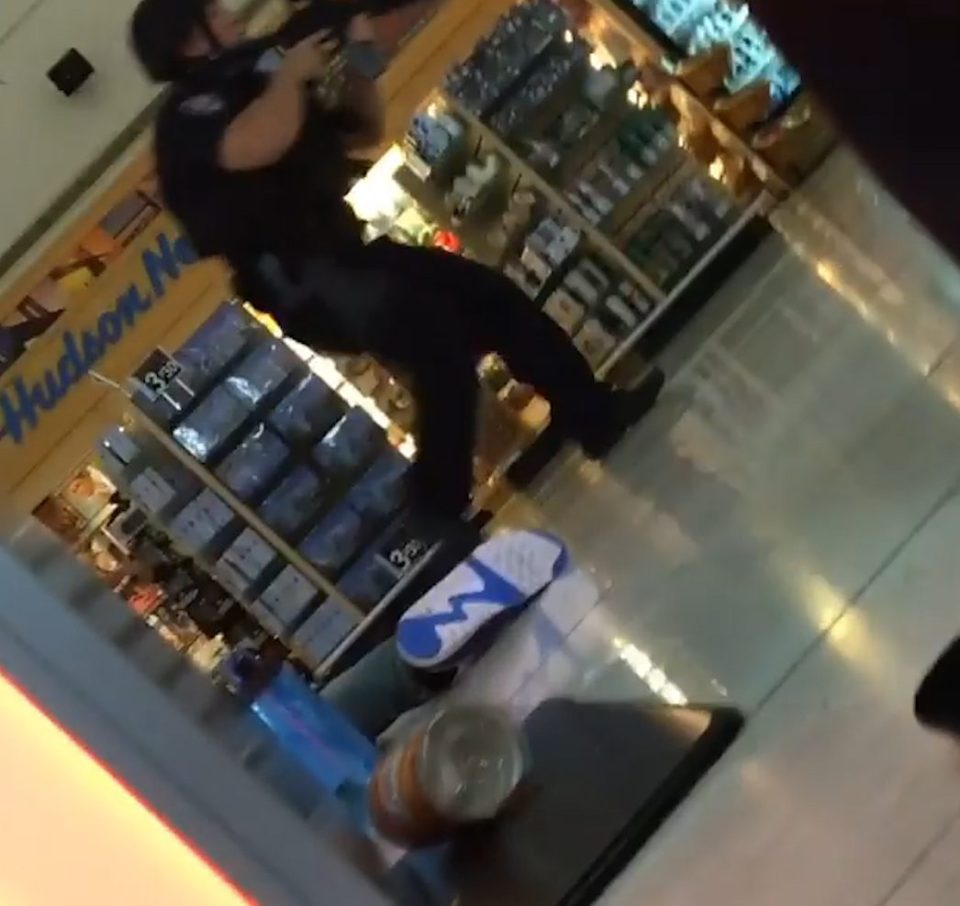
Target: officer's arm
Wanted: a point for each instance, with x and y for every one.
(268, 128)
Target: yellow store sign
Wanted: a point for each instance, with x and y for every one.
(82, 349)
(154, 294)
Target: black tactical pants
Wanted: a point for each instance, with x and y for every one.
(435, 315)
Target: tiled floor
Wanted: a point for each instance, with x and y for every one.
(783, 534)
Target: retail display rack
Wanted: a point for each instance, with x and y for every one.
(285, 491)
(735, 96)
(574, 150)
(545, 155)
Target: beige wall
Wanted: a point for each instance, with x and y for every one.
(47, 140)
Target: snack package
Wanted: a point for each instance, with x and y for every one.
(323, 631)
(254, 464)
(294, 502)
(261, 372)
(200, 521)
(208, 427)
(209, 350)
(335, 541)
(289, 597)
(380, 492)
(307, 412)
(351, 445)
(244, 562)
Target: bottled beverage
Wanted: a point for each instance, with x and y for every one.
(462, 769)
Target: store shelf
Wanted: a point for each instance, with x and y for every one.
(246, 513)
(382, 608)
(657, 183)
(555, 198)
(655, 52)
(591, 143)
(472, 232)
(94, 526)
(758, 207)
(686, 101)
(652, 200)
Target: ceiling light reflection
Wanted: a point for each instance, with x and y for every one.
(653, 676)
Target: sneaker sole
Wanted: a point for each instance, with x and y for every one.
(455, 619)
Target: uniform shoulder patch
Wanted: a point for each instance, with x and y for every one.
(203, 104)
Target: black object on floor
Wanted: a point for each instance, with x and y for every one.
(937, 703)
(605, 777)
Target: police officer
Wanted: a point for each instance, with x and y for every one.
(255, 163)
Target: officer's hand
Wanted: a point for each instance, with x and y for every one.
(314, 58)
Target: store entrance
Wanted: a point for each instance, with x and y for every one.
(241, 500)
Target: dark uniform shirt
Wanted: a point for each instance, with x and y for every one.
(292, 208)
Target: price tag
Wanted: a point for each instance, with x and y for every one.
(157, 373)
(407, 555)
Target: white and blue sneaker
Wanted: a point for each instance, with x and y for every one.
(494, 584)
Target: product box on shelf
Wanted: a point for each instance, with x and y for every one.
(202, 360)
(668, 242)
(323, 631)
(297, 498)
(502, 59)
(160, 480)
(261, 372)
(549, 246)
(565, 309)
(212, 347)
(557, 80)
(644, 152)
(381, 490)
(588, 281)
(200, 521)
(254, 464)
(528, 281)
(244, 562)
(268, 619)
(615, 311)
(289, 597)
(336, 540)
(307, 412)
(432, 143)
(151, 491)
(205, 431)
(119, 447)
(351, 445)
(597, 308)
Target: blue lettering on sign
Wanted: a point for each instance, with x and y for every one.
(22, 404)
